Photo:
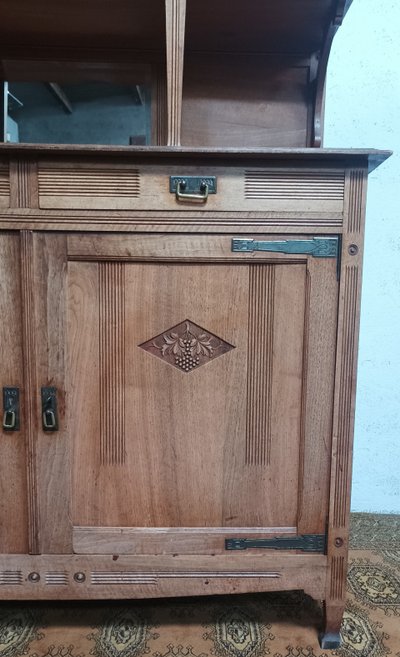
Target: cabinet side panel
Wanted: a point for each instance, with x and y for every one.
(345, 392)
(13, 490)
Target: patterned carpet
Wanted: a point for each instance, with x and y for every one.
(279, 625)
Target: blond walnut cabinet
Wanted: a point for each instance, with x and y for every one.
(179, 325)
(198, 358)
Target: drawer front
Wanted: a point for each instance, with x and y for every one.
(239, 189)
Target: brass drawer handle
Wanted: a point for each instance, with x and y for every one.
(181, 196)
(9, 420)
(192, 188)
(49, 420)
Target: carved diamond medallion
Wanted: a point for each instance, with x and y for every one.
(187, 346)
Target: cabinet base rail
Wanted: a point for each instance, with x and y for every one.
(96, 577)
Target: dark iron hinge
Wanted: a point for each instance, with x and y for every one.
(305, 543)
(318, 247)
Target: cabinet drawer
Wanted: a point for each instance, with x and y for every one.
(118, 186)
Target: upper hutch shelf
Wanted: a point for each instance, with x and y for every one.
(218, 74)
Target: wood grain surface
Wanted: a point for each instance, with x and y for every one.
(105, 577)
(175, 12)
(184, 371)
(13, 466)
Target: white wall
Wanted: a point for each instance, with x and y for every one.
(363, 110)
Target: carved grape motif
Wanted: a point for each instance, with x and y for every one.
(187, 346)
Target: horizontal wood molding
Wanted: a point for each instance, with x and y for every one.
(163, 222)
(77, 577)
(169, 248)
(131, 577)
(182, 540)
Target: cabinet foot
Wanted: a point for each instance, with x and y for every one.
(330, 640)
(330, 636)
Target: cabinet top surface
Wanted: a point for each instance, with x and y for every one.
(370, 158)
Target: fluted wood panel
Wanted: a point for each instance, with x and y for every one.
(175, 25)
(4, 180)
(57, 578)
(108, 578)
(159, 107)
(23, 183)
(338, 577)
(356, 209)
(275, 185)
(22, 170)
(112, 362)
(346, 390)
(88, 182)
(4, 186)
(11, 578)
(260, 364)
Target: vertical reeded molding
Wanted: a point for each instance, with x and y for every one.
(338, 578)
(346, 384)
(23, 180)
(175, 13)
(159, 107)
(345, 393)
(355, 209)
(260, 364)
(30, 384)
(112, 362)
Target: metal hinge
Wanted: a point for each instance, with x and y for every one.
(318, 247)
(305, 543)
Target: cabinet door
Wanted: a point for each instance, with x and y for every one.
(13, 472)
(199, 392)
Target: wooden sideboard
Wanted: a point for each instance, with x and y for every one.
(178, 373)
(179, 324)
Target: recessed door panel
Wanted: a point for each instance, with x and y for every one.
(185, 393)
